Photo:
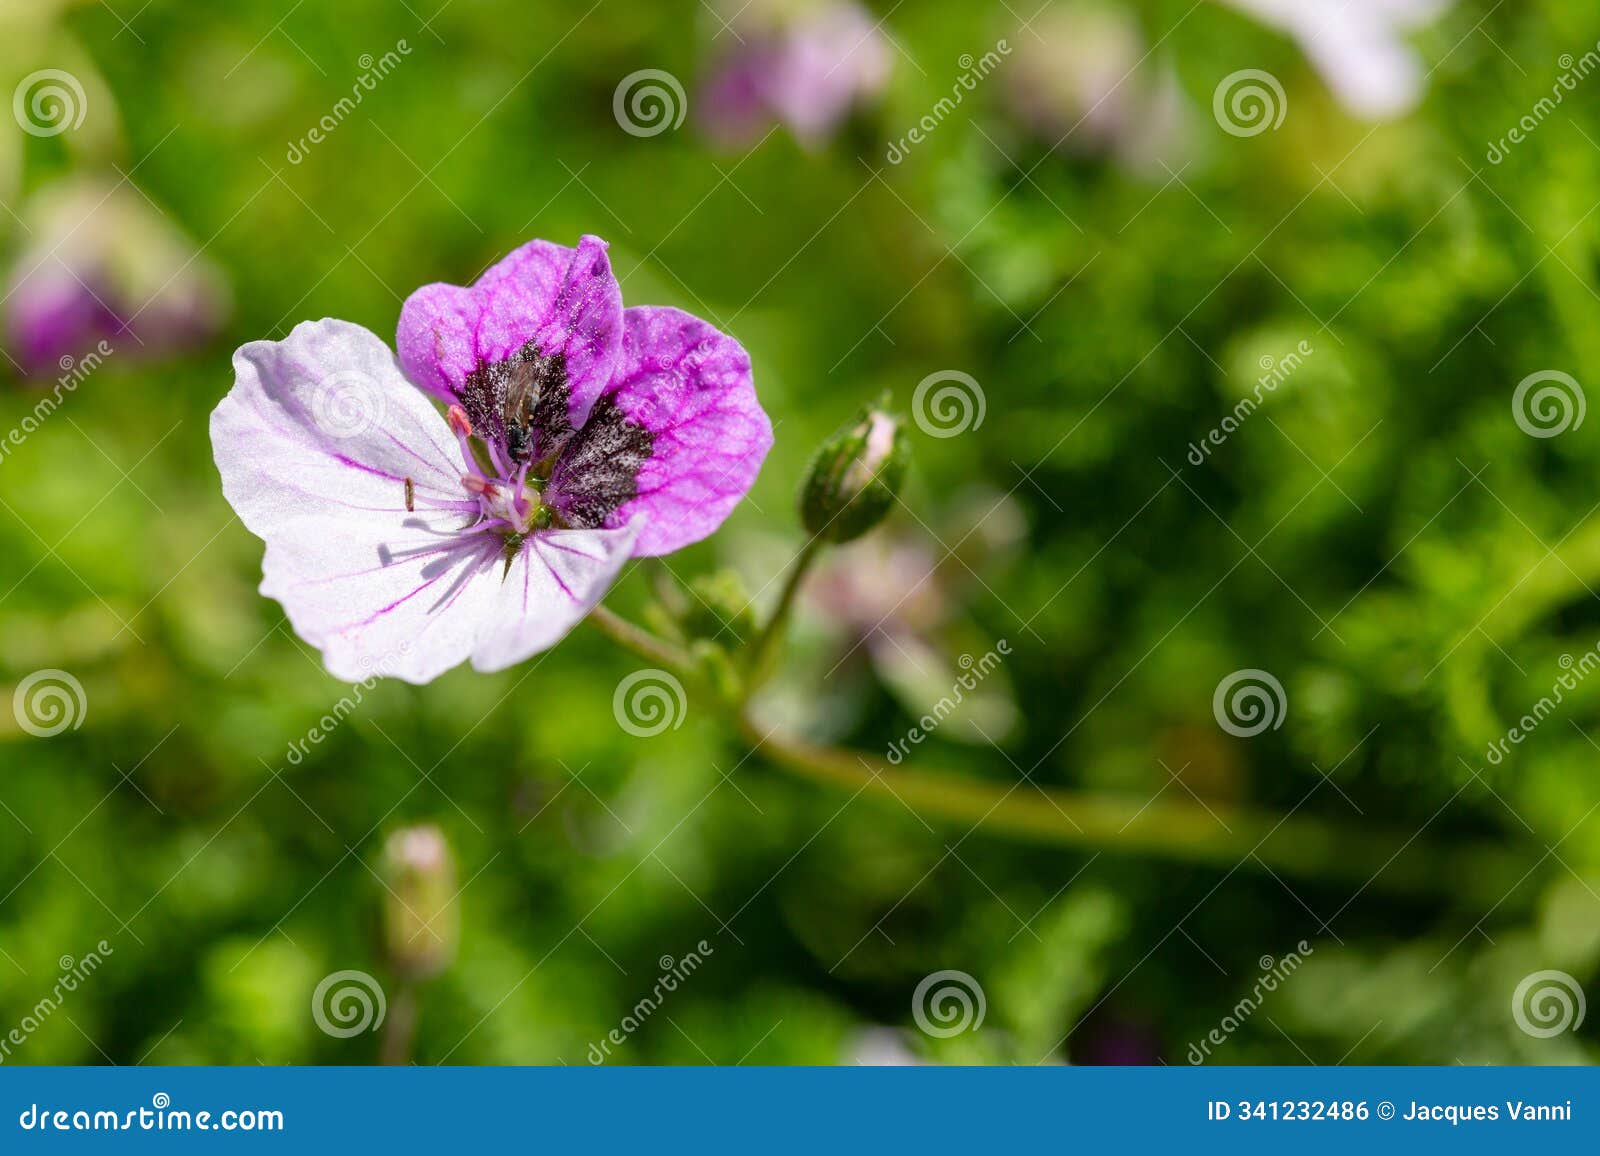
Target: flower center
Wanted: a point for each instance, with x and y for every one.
(509, 501)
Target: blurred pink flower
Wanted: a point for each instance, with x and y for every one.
(803, 64)
(102, 263)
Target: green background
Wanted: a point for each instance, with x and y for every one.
(1381, 536)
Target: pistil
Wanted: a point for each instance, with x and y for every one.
(509, 503)
(515, 507)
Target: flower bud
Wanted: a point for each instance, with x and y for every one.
(421, 924)
(855, 476)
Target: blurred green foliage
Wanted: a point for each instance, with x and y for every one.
(1380, 534)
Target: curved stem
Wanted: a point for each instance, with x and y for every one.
(761, 653)
(1218, 834)
(638, 639)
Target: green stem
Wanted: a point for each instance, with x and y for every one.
(399, 1027)
(639, 640)
(1219, 835)
(765, 647)
(1216, 834)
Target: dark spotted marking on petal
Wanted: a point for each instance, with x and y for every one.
(521, 402)
(548, 415)
(598, 470)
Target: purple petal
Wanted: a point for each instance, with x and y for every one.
(55, 318)
(315, 443)
(556, 579)
(564, 301)
(678, 439)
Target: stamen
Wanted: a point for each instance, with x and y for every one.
(497, 503)
(500, 466)
(411, 496)
(462, 428)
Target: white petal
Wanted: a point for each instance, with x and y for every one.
(315, 444)
(1367, 63)
(378, 599)
(558, 577)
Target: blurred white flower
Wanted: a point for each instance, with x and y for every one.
(1358, 46)
(881, 1047)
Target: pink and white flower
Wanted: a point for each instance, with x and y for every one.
(578, 435)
